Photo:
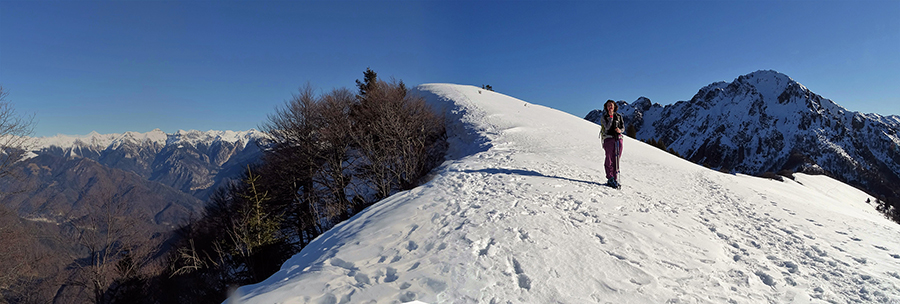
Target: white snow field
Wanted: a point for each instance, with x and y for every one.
(518, 214)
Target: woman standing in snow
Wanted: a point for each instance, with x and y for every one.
(611, 126)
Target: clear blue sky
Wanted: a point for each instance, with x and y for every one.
(116, 66)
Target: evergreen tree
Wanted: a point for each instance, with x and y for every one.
(370, 80)
(630, 131)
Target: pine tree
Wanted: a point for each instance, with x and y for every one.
(257, 228)
(630, 131)
(370, 80)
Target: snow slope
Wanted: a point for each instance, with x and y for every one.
(767, 122)
(518, 215)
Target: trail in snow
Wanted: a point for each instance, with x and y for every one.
(521, 216)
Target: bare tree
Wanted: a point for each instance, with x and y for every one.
(12, 257)
(398, 134)
(112, 247)
(15, 134)
(295, 153)
(312, 135)
(337, 141)
(29, 270)
(20, 259)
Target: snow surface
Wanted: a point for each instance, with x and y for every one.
(756, 123)
(518, 215)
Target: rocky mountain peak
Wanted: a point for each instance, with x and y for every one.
(194, 162)
(767, 81)
(642, 103)
(766, 121)
(763, 85)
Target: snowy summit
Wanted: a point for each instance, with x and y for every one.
(767, 122)
(518, 214)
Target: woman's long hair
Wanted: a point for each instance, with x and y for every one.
(615, 106)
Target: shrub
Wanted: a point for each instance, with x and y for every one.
(787, 173)
(771, 175)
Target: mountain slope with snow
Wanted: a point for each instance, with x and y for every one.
(766, 121)
(193, 162)
(518, 214)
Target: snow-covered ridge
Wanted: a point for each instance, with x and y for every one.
(518, 214)
(157, 136)
(766, 121)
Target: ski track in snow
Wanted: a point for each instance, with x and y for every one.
(528, 220)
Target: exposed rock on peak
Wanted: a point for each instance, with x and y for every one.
(766, 121)
(194, 162)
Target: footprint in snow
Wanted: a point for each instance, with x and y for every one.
(407, 296)
(343, 264)
(600, 237)
(790, 281)
(738, 278)
(361, 279)
(523, 235)
(327, 298)
(390, 275)
(413, 229)
(766, 278)
(791, 266)
(523, 280)
(384, 258)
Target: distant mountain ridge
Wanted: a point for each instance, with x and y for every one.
(193, 162)
(156, 136)
(158, 177)
(57, 190)
(766, 121)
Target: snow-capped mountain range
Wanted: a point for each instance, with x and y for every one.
(518, 214)
(161, 177)
(155, 137)
(766, 122)
(193, 162)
